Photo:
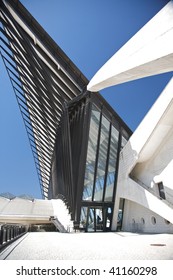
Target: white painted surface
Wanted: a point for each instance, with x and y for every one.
(146, 160)
(140, 219)
(148, 52)
(25, 211)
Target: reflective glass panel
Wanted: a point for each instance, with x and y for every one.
(91, 154)
(83, 217)
(112, 165)
(123, 141)
(99, 219)
(91, 220)
(102, 157)
(108, 218)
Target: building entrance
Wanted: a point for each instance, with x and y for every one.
(98, 219)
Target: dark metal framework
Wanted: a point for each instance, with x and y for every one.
(85, 160)
(43, 79)
(75, 135)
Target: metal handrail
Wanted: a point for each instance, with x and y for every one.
(9, 233)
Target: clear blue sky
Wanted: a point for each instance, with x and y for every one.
(89, 32)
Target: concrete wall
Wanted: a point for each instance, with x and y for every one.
(140, 219)
(158, 168)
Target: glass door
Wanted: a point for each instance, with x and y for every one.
(91, 220)
(99, 219)
(107, 218)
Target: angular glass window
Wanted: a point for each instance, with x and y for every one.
(123, 142)
(91, 154)
(112, 164)
(83, 217)
(102, 158)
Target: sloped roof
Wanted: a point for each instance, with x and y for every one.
(43, 78)
(22, 207)
(7, 195)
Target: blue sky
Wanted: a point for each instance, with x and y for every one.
(89, 32)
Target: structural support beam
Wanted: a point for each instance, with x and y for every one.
(149, 52)
(43, 78)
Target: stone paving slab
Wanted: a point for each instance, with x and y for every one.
(90, 246)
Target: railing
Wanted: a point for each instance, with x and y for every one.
(59, 226)
(151, 191)
(9, 233)
(57, 223)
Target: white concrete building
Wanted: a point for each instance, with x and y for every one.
(145, 171)
(145, 182)
(60, 115)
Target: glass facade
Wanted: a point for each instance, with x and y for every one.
(111, 175)
(85, 165)
(91, 154)
(100, 172)
(106, 137)
(102, 160)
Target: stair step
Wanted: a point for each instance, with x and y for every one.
(61, 218)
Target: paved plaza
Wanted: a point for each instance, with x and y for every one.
(90, 246)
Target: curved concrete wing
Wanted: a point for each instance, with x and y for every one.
(148, 52)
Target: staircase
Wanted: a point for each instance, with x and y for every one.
(61, 219)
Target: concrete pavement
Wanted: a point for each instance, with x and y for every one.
(90, 246)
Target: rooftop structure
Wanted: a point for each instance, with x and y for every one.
(75, 135)
(43, 79)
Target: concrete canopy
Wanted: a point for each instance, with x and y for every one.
(148, 52)
(19, 210)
